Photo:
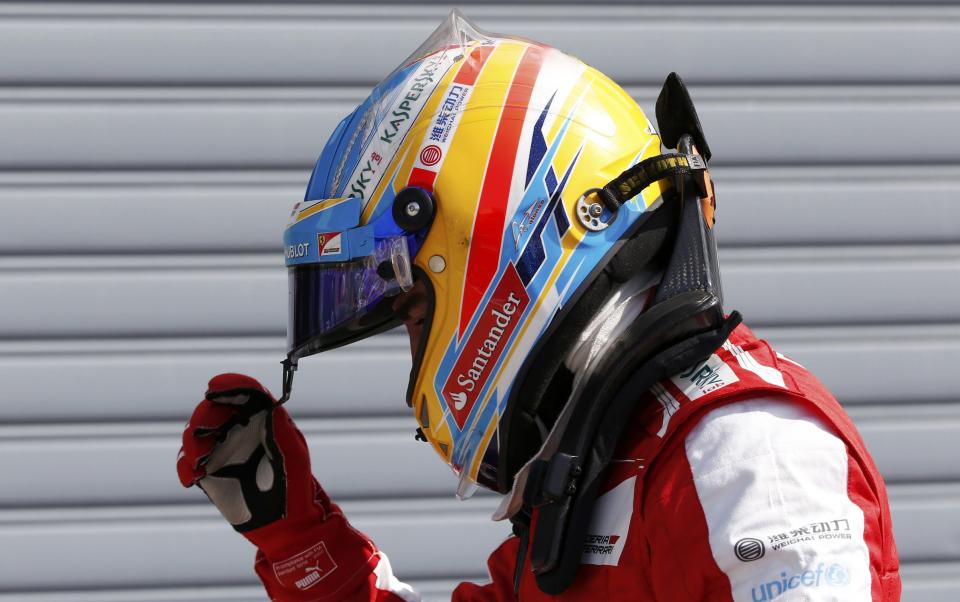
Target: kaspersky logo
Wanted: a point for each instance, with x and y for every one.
(485, 345)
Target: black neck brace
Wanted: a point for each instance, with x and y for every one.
(683, 326)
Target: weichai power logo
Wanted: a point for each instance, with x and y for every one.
(485, 345)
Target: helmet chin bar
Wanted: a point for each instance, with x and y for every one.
(683, 325)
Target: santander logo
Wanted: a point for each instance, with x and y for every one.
(459, 399)
(485, 345)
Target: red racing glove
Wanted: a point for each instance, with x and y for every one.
(244, 451)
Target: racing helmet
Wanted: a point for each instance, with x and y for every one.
(475, 168)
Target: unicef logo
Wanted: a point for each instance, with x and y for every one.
(837, 575)
(833, 576)
(748, 549)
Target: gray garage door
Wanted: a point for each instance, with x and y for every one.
(128, 129)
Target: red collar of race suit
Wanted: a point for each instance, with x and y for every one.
(744, 368)
(562, 482)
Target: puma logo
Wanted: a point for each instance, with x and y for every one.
(308, 580)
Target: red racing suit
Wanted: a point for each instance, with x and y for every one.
(740, 479)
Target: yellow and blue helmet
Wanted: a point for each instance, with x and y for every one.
(466, 169)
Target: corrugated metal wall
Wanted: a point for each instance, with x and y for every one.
(149, 153)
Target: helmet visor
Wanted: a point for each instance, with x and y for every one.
(335, 303)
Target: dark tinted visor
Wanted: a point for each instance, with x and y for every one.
(335, 303)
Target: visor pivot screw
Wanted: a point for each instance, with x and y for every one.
(437, 263)
(413, 208)
(596, 210)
